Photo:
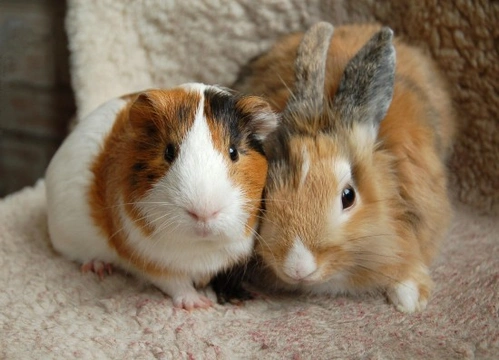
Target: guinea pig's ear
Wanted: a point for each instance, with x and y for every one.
(142, 107)
(366, 88)
(259, 115)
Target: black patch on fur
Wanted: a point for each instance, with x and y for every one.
(228, 285)
(255, 144)
(151, 177)
(223, 108)
(277, 145)
(140, 171)
(183, 113)
(151, 130)
(137, 170)
(138, 167)
(147, 137)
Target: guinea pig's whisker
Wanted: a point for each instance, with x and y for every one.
(123, 228)
(166, 203)
(162, 203)
(167, 224)
(262, 217)
(252, 201)
(145, 217)
(246, 226)
(164, 224)
(260, 239)
(116, 232)
(159, 239)
(153, 245)
(171, 218)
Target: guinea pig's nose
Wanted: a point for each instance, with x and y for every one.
(203, 216)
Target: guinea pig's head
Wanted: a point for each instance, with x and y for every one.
(196, 164)
(325, 214)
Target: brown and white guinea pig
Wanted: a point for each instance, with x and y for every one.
(356, 199)
(166, 184)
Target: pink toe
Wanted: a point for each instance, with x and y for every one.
(87, 267)
(98, 267)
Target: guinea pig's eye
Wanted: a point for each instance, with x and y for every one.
(234, 155)
(170, 153)
(347, 197)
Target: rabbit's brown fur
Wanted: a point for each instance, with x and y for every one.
(389, 237)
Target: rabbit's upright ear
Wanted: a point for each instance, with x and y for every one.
(310, 67)
(366, 88)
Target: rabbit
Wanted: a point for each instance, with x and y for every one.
(356, 199)
(165, 183)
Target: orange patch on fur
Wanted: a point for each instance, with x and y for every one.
(250, 174)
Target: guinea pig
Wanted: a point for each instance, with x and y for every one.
(166, 184)
(356, 198)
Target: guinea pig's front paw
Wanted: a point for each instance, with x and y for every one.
(192, 300)
(98, 267)
(409, 296)
(182, 292)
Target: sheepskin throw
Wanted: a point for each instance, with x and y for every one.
(50, 310)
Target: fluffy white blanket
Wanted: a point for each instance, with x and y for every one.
(51, 310)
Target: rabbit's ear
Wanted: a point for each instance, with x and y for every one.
(366, 88)
(310, 66)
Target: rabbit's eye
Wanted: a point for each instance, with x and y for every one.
(348, 197)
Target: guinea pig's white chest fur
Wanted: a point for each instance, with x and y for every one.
(166, 184)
